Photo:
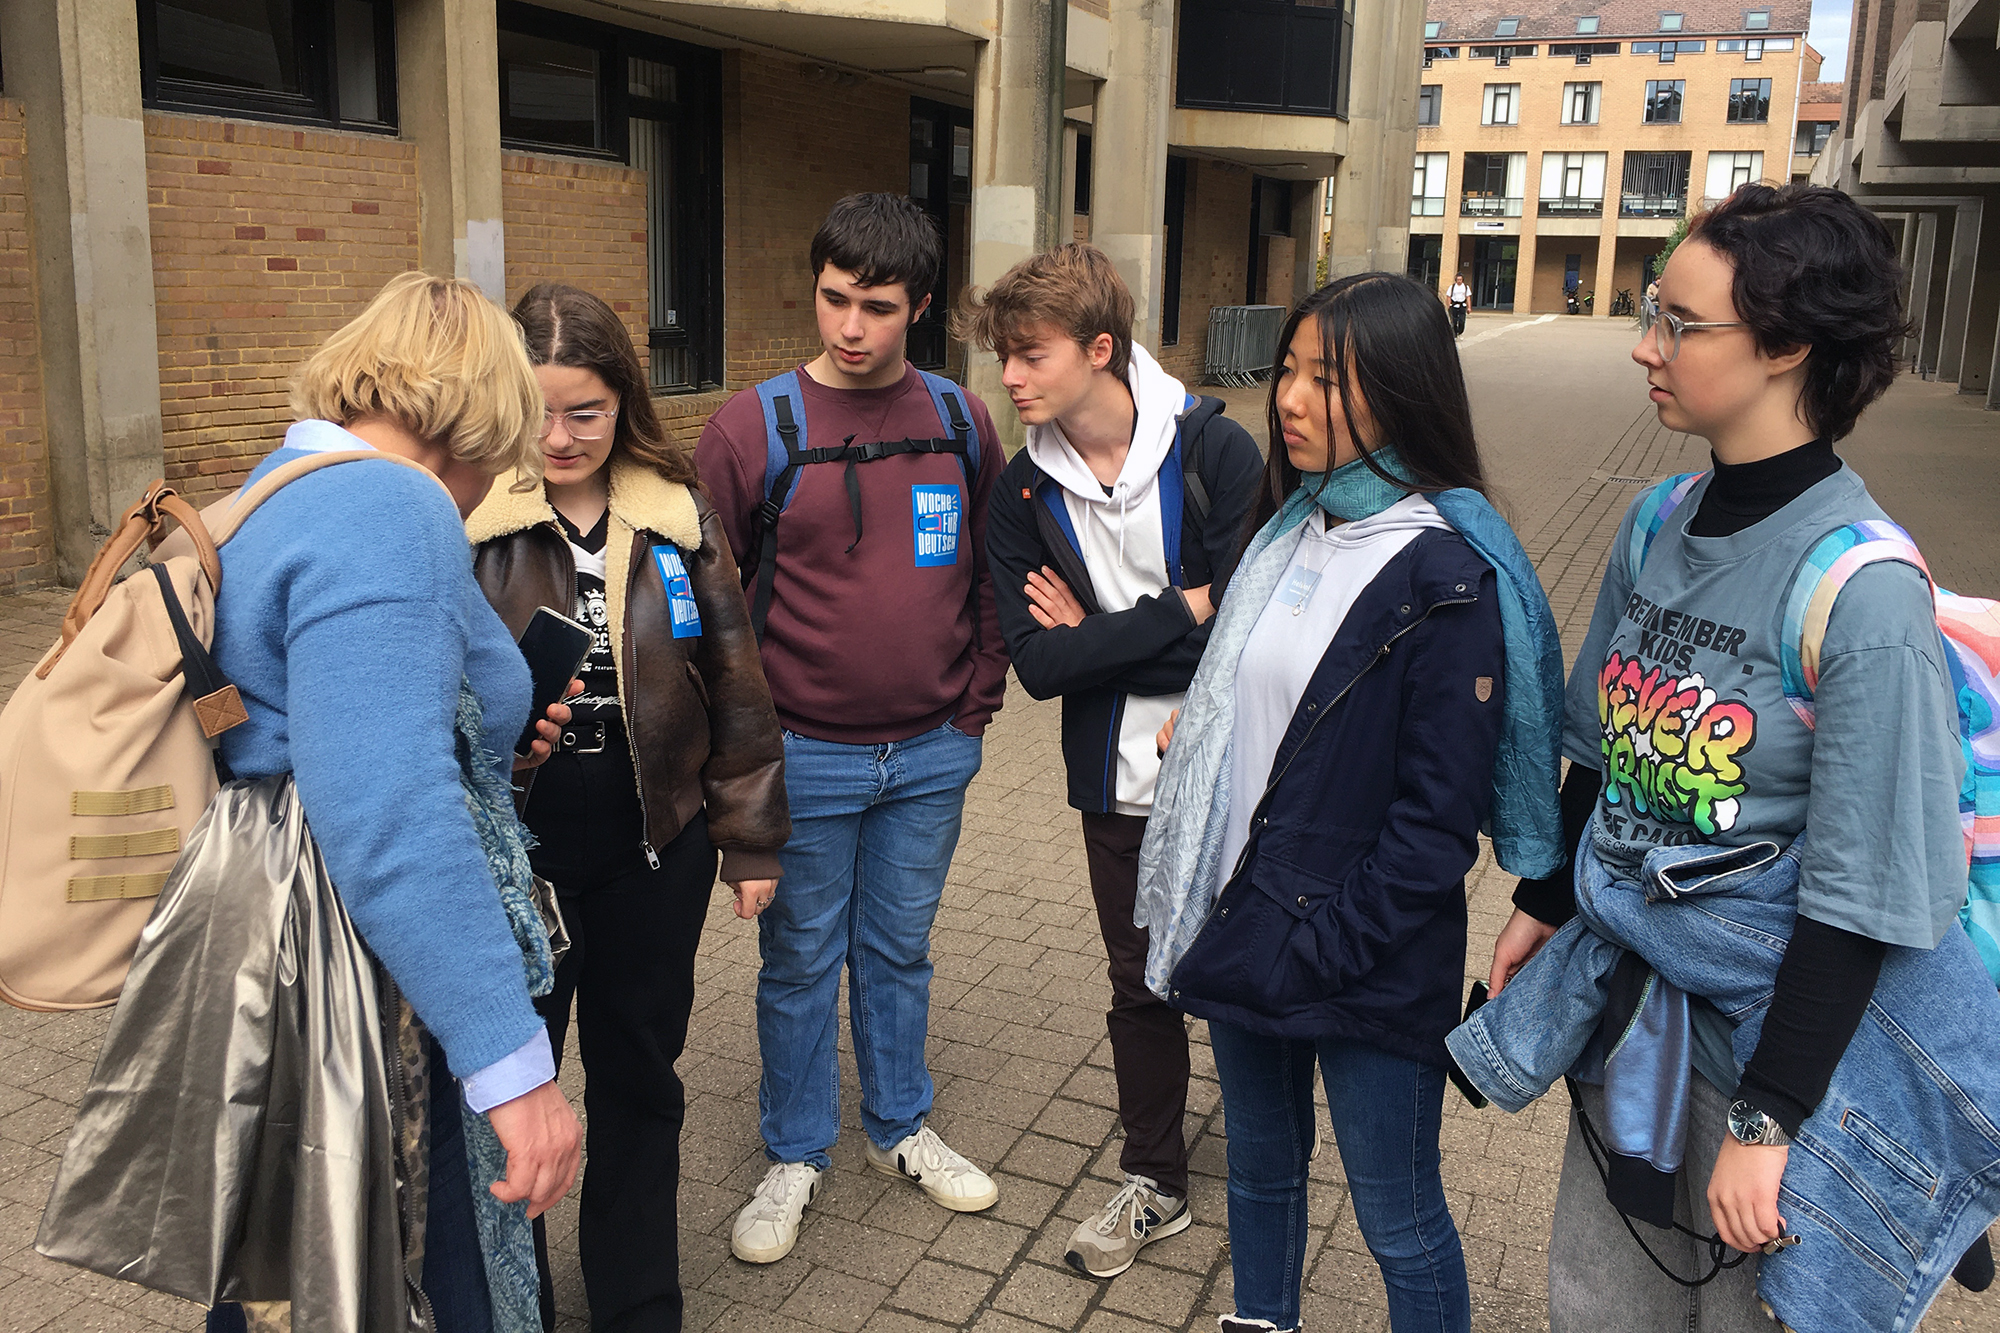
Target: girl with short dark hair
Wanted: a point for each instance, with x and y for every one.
(1818, 833)
(1383, 678)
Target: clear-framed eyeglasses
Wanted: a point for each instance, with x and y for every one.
(1667, 327)
(582, 426)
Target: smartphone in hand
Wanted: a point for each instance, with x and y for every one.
(555, 647)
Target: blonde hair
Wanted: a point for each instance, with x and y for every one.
(436, 356)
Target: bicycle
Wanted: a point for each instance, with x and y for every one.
(1621, 304)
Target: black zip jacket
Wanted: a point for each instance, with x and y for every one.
(1153, 647)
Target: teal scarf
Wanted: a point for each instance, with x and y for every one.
(1184, 835)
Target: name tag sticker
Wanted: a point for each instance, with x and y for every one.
(1299, 588)
(935, 512)
(682, 614)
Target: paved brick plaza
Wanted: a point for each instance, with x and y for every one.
(1017, 1027)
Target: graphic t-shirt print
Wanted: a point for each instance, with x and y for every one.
(1673, 743)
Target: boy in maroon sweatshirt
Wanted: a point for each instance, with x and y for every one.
(885, 660)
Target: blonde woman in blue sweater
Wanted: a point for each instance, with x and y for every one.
(348, 619)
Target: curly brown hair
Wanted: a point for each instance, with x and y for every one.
(567, 326)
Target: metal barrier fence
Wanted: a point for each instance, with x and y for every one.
(1242, 343)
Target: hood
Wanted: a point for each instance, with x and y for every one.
(1412, 513)
(1158, 399)
(641, 499)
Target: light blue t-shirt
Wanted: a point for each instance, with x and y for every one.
(1676, 699)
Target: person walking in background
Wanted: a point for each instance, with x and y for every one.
(1111, 537)
(348, 619)
(1384, 679)
(870, 594)
(1459, 297)
(673, 752)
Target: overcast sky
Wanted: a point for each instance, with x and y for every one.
(1828, 36)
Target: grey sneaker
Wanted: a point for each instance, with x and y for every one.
(1136, 1216)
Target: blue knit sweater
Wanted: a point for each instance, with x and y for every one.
(347, 617)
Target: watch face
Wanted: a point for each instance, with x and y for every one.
(1747, 1124)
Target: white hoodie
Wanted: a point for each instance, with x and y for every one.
(1124, 547)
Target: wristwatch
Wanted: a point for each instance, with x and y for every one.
(1750, 1126)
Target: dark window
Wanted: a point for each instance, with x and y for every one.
(941, 184)
(1083, 174)
(1813, 136)
(290, 60)
(1583, 51)
(1266, 55)
(1483, 187)
(1176, 227)
(1749, 101)
(1439, 53)
(1503, 54)
(1655, 185)
(1663, 102)
(569, 85)
(1270, 215)
(1430, 103)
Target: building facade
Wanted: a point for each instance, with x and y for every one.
(1818, 124)
(1559, 144)
(1919, 142)
(195, 192)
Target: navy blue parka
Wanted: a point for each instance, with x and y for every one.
(1345, 916)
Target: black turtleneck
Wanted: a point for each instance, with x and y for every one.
(1828, 974)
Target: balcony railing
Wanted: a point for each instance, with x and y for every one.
(1651, 206)
(1426, 206)
(1572, 208)
(1489, 206)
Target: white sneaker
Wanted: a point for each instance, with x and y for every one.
(949, 1179)
(768, 1226)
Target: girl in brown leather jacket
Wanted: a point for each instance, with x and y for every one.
(673, 751)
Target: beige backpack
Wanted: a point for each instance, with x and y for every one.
(107, 749)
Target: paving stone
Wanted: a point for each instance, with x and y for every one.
(941, 1291)
(835, 1301)
(1046, 1295)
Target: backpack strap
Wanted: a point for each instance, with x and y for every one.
(246, 501)
(1655, 509)
(1193, 487)
(1835, 559)
(945, 397)
(784, 455)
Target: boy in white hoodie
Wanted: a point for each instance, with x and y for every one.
(1110, 538)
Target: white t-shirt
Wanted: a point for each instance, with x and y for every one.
(1327, 574)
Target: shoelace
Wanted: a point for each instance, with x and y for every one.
(930, 1153)
(1124, 1201)
(775, 1190)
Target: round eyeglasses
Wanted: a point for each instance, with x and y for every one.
(581, 426)
(1667, 327)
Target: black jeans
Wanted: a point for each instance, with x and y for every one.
(633, 932)
(1149, 1043)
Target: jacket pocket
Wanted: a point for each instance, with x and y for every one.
(1260, 949)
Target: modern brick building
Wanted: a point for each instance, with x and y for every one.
(194, 192)
(1919, 142)
(1560, 141)
(1818, 124)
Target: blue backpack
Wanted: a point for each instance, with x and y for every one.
(786, 451)
(1970, 628)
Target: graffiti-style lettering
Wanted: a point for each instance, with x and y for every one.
(1671, 749)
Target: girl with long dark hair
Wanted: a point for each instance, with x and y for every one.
(672, 752)
(1383, 679)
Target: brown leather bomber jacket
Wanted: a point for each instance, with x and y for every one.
(697, 709)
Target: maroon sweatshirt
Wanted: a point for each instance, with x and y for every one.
(875, 644)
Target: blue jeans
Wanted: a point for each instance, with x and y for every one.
(1386, 1112)
(873, 830)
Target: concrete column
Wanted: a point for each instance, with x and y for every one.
(1128, 153)
(75, 66)
(1524, 260)
(1930, 330)
(1906, 242)
(1922, 253)
(1308, 201)
(1958, 290)
(1371, 216)
(1975, 371)
(1607, 258)
(448, 100)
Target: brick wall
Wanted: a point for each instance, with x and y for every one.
(265, 240)
(1215, 256)
(786, 159)
(27, 541)
(578, 222)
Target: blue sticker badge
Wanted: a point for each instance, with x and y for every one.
(1299, 588)
(934, 517)
(682, 614)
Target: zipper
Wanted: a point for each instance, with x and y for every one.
(632, 673)
(1243, 857)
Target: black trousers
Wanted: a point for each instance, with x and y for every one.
(1149, 1042)
(633, 932)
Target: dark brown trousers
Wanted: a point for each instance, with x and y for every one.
(1149, 1043)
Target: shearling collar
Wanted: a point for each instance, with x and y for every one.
(641, 499)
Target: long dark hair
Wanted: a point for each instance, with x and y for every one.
(1387, 337)
(567, 326)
